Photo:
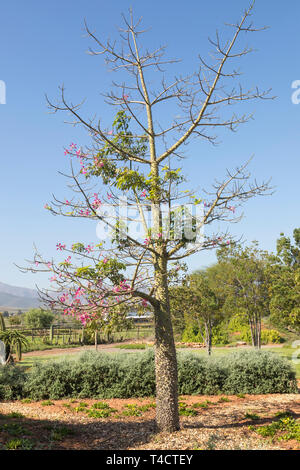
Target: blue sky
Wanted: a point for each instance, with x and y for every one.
(43, 45)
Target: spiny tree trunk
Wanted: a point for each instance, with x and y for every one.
(167, 415)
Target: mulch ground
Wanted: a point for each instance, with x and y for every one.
(220, 425)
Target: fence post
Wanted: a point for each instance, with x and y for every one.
(51, 333)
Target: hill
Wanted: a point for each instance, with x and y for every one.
(13, 297)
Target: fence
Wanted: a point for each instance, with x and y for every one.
(74, 334)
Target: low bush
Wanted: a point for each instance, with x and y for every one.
(12, 380)
(258, 372)
(97, 375)
(94, 375)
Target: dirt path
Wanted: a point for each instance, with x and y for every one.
(109, 348)
(66, 351)
(220, 424)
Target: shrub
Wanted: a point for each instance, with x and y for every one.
(220, 335)
(198, 375)
(12, 380)
(192, 334)
(97, 375)
(271, 337)
(94, 375)
(258, 372)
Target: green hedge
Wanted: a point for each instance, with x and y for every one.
(12, 382)
(98, 375)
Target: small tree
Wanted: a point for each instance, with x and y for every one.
(200, 304)
(137, 156)
(38, 318)
(247, 284)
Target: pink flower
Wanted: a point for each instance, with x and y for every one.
(60, 247)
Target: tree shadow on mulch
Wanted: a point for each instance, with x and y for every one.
(23, 433)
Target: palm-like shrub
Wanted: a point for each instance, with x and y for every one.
(13, 340)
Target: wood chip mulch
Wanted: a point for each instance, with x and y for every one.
(222, 425)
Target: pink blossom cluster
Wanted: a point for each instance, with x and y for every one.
(84, 212)
(98, 162)
(96, 202)
(60, 247)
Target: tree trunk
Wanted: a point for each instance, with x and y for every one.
(167, 415)
(208, 337)
(258, 329)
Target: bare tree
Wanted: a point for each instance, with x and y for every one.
(138, 158)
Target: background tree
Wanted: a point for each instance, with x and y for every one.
(198, 305)
(247, 284)
(15, 320)
(285, 284)
(138, 157)
(38, 318)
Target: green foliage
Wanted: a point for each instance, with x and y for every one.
(286, 428)
(58, 433)
(12, 380)
(258, 372)
(38, 318)
(14, 340)
(185, 410)
(220, 335)
(252, 416)
(19, 444)
(192, 334)
(96, 375)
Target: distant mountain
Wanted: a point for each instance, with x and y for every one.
(17, 297)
